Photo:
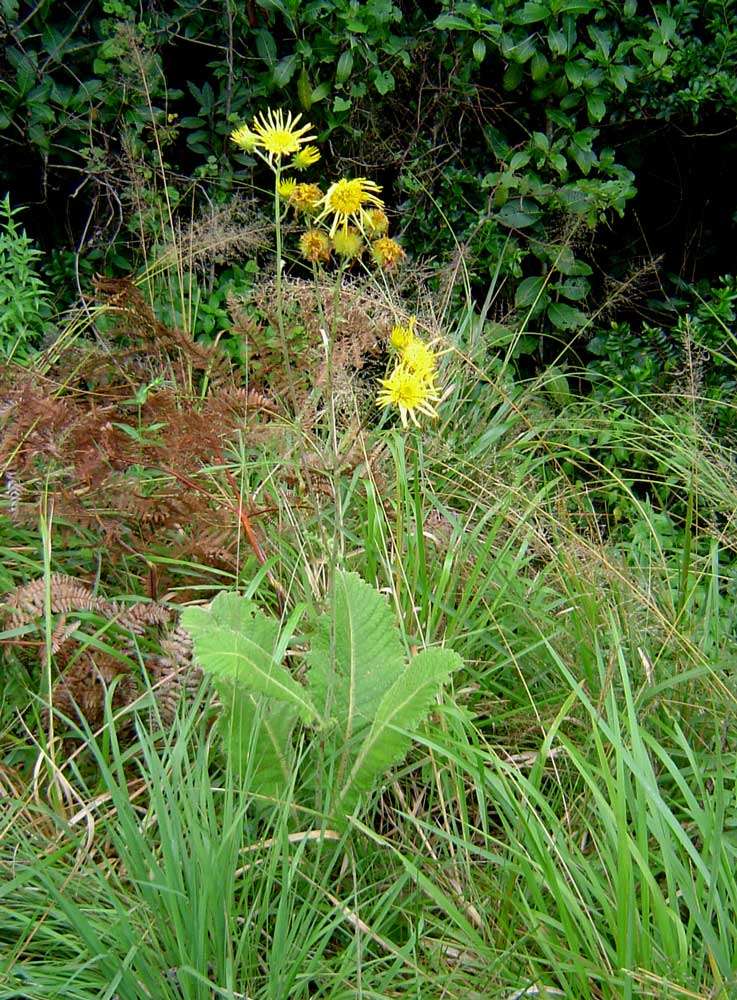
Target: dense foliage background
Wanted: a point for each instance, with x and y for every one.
(510, 121)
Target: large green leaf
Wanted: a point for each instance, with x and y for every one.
(257, 735)
(565, 317)
(233, 640)
(355, 656)
(401, 710)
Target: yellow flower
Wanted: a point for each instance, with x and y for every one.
(314, 245)
(403, 335)
(348, 243)
(287, 188)
(346, 201)
(377, 222)
(387, 252)
(305, 197)
(409, 392)
(420, 359)
(305, 157)
(278, 136)
(245, 138)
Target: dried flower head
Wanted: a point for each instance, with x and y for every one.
(387, 252)
(305, 197)
(315, 246)
(377, 223)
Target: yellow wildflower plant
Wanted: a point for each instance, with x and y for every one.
(401, 336)
(348, 202)
(305, 157)
(305, 197)
(410, 393)
(387, 252)
(278, 136)
(286, 188)
(419, 358)
(244, 137)
(348, 243)
(315, 246)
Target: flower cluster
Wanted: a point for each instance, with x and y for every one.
(273, 137)
(412, 385)
(346, 220)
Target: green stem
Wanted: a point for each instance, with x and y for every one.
(280, 291)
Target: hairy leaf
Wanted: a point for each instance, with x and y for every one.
(399, 713)
(355, 657)
(235, 641)
(256, 735)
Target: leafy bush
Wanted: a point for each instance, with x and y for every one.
(109, 97)
(24, 296)
(361, 694)
(691, 354)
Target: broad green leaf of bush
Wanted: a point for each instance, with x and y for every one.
(256, 734)
(234, 640)
(355, 656)
(401, 710)
(366, 698)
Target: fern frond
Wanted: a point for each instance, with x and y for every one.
(26, 602)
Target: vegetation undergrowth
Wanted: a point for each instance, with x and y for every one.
(448, 710)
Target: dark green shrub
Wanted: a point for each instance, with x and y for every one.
(24, 296)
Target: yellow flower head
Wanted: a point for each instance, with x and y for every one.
(403, 335)
(305, 157)
(278, 136)
(347, 201)
(377, 222)
(348, 243)
(314, 246)
(417, 357)
(410, 393)
(387, 252)
(287, 188)
(305, 197)
(245, 138)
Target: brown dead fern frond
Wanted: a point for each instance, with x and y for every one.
(81, 688)
(86, 674)
(104, 460)
(13, 494)
(174, 674)
(137, 321)
(244, 322)
(359, 321)
(27, 602)
(141, 615)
